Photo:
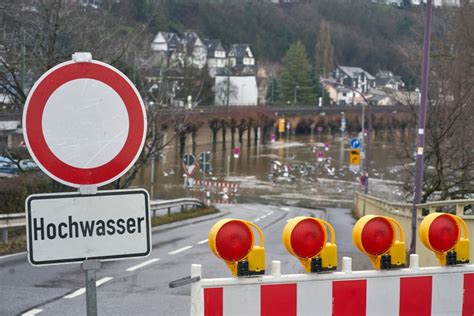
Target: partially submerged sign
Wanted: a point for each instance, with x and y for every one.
(70, 227)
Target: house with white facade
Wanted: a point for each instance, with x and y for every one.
(241, 54)
(165, 42)
(354, 77)
(341, 95)
(241, 59)
(195, 50)
(235, 91)
(216, 57)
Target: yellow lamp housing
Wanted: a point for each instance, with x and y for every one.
(375, 236)
(441, 233)
(232, 240)
(306, 238)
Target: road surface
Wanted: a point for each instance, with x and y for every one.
(140, 286)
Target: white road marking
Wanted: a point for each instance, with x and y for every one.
(270, 213)
(32, 312)
(202, 242)
(102, 281)
(257, 220)
(76, 293)
(180, 250)
(143, 264)
(286, 209)
(82, 290)
(13, 255)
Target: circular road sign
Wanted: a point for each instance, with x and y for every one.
(355, 143)
(188, 160)
(84, 123)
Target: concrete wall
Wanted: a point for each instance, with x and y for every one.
(243, 90)
(402, 213)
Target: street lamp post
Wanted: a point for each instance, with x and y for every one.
(420, 144)
(296, 91)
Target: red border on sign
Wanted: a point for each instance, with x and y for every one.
(34, 127)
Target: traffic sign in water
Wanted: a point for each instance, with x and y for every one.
(355, 143)
(188, 160)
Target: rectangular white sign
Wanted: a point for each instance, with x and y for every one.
(70, 227)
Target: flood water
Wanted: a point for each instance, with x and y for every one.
(308, 182)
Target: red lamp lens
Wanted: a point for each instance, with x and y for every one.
(234, 241)
(377, 236)
(443, 233)
(307, 238)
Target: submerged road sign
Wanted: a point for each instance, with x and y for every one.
(70, 227)
(355, 143)
(189, 160)
(84, 123)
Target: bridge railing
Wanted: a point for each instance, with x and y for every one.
(402, 212)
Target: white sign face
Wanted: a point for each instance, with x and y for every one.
(90, 128)
(69, 227)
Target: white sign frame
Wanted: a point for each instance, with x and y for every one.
(72, 200)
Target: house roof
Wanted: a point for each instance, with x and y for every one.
(240, 51)
(355, 71)
(213, 45)
(190, 38)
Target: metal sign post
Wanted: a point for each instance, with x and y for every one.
(90, 267)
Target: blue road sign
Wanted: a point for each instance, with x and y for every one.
(205, 157)
(355, 143)
(188, 160)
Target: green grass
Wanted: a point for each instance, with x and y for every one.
(17, 236)
(174, 217)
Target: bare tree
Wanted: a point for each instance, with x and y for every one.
(449, 159)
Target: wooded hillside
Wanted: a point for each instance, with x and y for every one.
(363, 33)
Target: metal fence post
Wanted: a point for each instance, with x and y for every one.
(5, 235)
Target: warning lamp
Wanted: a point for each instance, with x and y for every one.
(306, 238)
(375, 237)
(232, 240)
(441, 233)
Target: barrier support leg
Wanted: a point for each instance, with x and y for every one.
(5, 235)
(346, 264)
(197, 295)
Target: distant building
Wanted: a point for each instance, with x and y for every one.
(340, 95)
(241, 59)
(239, 90)
(354, 77)
(386, 79)
(165, 42)
(195, 50)
(216, 57)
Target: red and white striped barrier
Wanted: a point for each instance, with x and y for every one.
(411, 291)
(234, 186)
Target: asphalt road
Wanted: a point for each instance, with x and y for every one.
(140, 286)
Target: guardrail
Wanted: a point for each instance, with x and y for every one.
(13, 220)
(170, 205)
(402, 213)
